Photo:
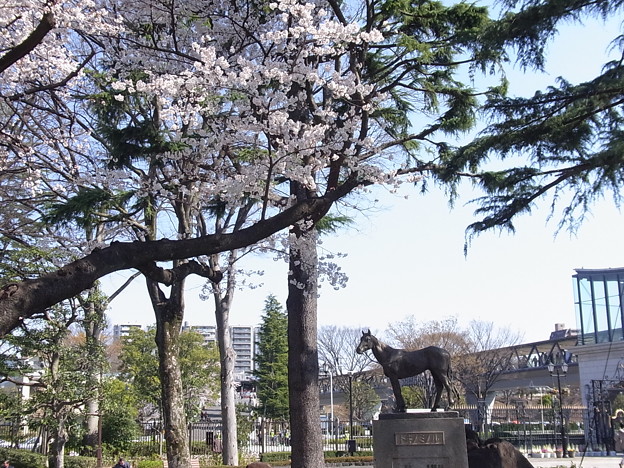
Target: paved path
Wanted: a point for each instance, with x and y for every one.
(577, 462)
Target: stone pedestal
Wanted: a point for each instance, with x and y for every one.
(420, 440)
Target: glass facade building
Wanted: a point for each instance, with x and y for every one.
(598, 297)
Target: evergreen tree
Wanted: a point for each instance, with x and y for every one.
(272, 361)
(120, 415)
(365, 400)
(199, 367)
(569, 136)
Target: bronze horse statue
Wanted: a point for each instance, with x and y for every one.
(400, 363)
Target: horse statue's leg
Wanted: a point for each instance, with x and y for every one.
(449, 393)
(439, 386)
(398, 396)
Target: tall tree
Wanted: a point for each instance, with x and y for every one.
(227, 220)
(271, 359)
(199, 369)
(94, 306)
(44, 358)
(336, 350)
(294, 105)
(120, 415)
(303, 369)
(568, 136)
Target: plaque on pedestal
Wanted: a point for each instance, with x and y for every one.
(420, 440)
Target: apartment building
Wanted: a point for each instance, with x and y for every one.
(124, 330)
(243, 342)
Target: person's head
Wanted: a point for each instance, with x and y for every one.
(6, 463)
(121, 460)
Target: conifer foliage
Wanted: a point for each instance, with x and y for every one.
(272, 361)
(565, 141)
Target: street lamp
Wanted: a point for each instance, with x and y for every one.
(327, 370)
(558, 370)
(351, 442)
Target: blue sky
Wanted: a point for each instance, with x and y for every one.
(406, 256)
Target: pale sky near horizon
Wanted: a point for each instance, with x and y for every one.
(406, 258)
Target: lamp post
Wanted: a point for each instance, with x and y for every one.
(558, 370)
(351, 442)
(327, 370)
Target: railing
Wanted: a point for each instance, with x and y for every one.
(526, 427)
(20, 436)
(274, 436)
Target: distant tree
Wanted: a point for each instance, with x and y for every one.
(244, 424)
(337, 350)
(415, 397)
(119, 416)
(446, 333)
(480, 368)
(199, 364)
(476, 361)
(45, 356)
(365, 400)
(139, 366)
(272, 361)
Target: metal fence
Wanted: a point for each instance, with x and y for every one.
(274, 436)
(527, 427)
(20, 436)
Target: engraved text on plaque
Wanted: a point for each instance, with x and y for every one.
(419, 438)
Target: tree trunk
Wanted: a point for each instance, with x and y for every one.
(169, 316)
(57, 449)
(94, 319)
(90, 439)
(307, 446)
(223, 303)
(228, 404)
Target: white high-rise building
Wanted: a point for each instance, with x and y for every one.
(124, 330)
(243, 343)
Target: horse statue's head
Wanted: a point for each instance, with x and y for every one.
(366, 342)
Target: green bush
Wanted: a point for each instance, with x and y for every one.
(269, 457)
(80, 462)
(139, 449)
(331, 456)
(23, 458)
(353, 459)
(149, 464)
(343, 453)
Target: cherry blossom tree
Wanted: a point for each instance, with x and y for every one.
(286, 105)
(159, 108)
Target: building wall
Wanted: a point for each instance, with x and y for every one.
(243, 342)
(598, 362)
(123, 329)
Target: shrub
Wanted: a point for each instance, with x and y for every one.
(80, 462)
(149, 464)
(270, 457)
(23, 459)
(354, 459)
